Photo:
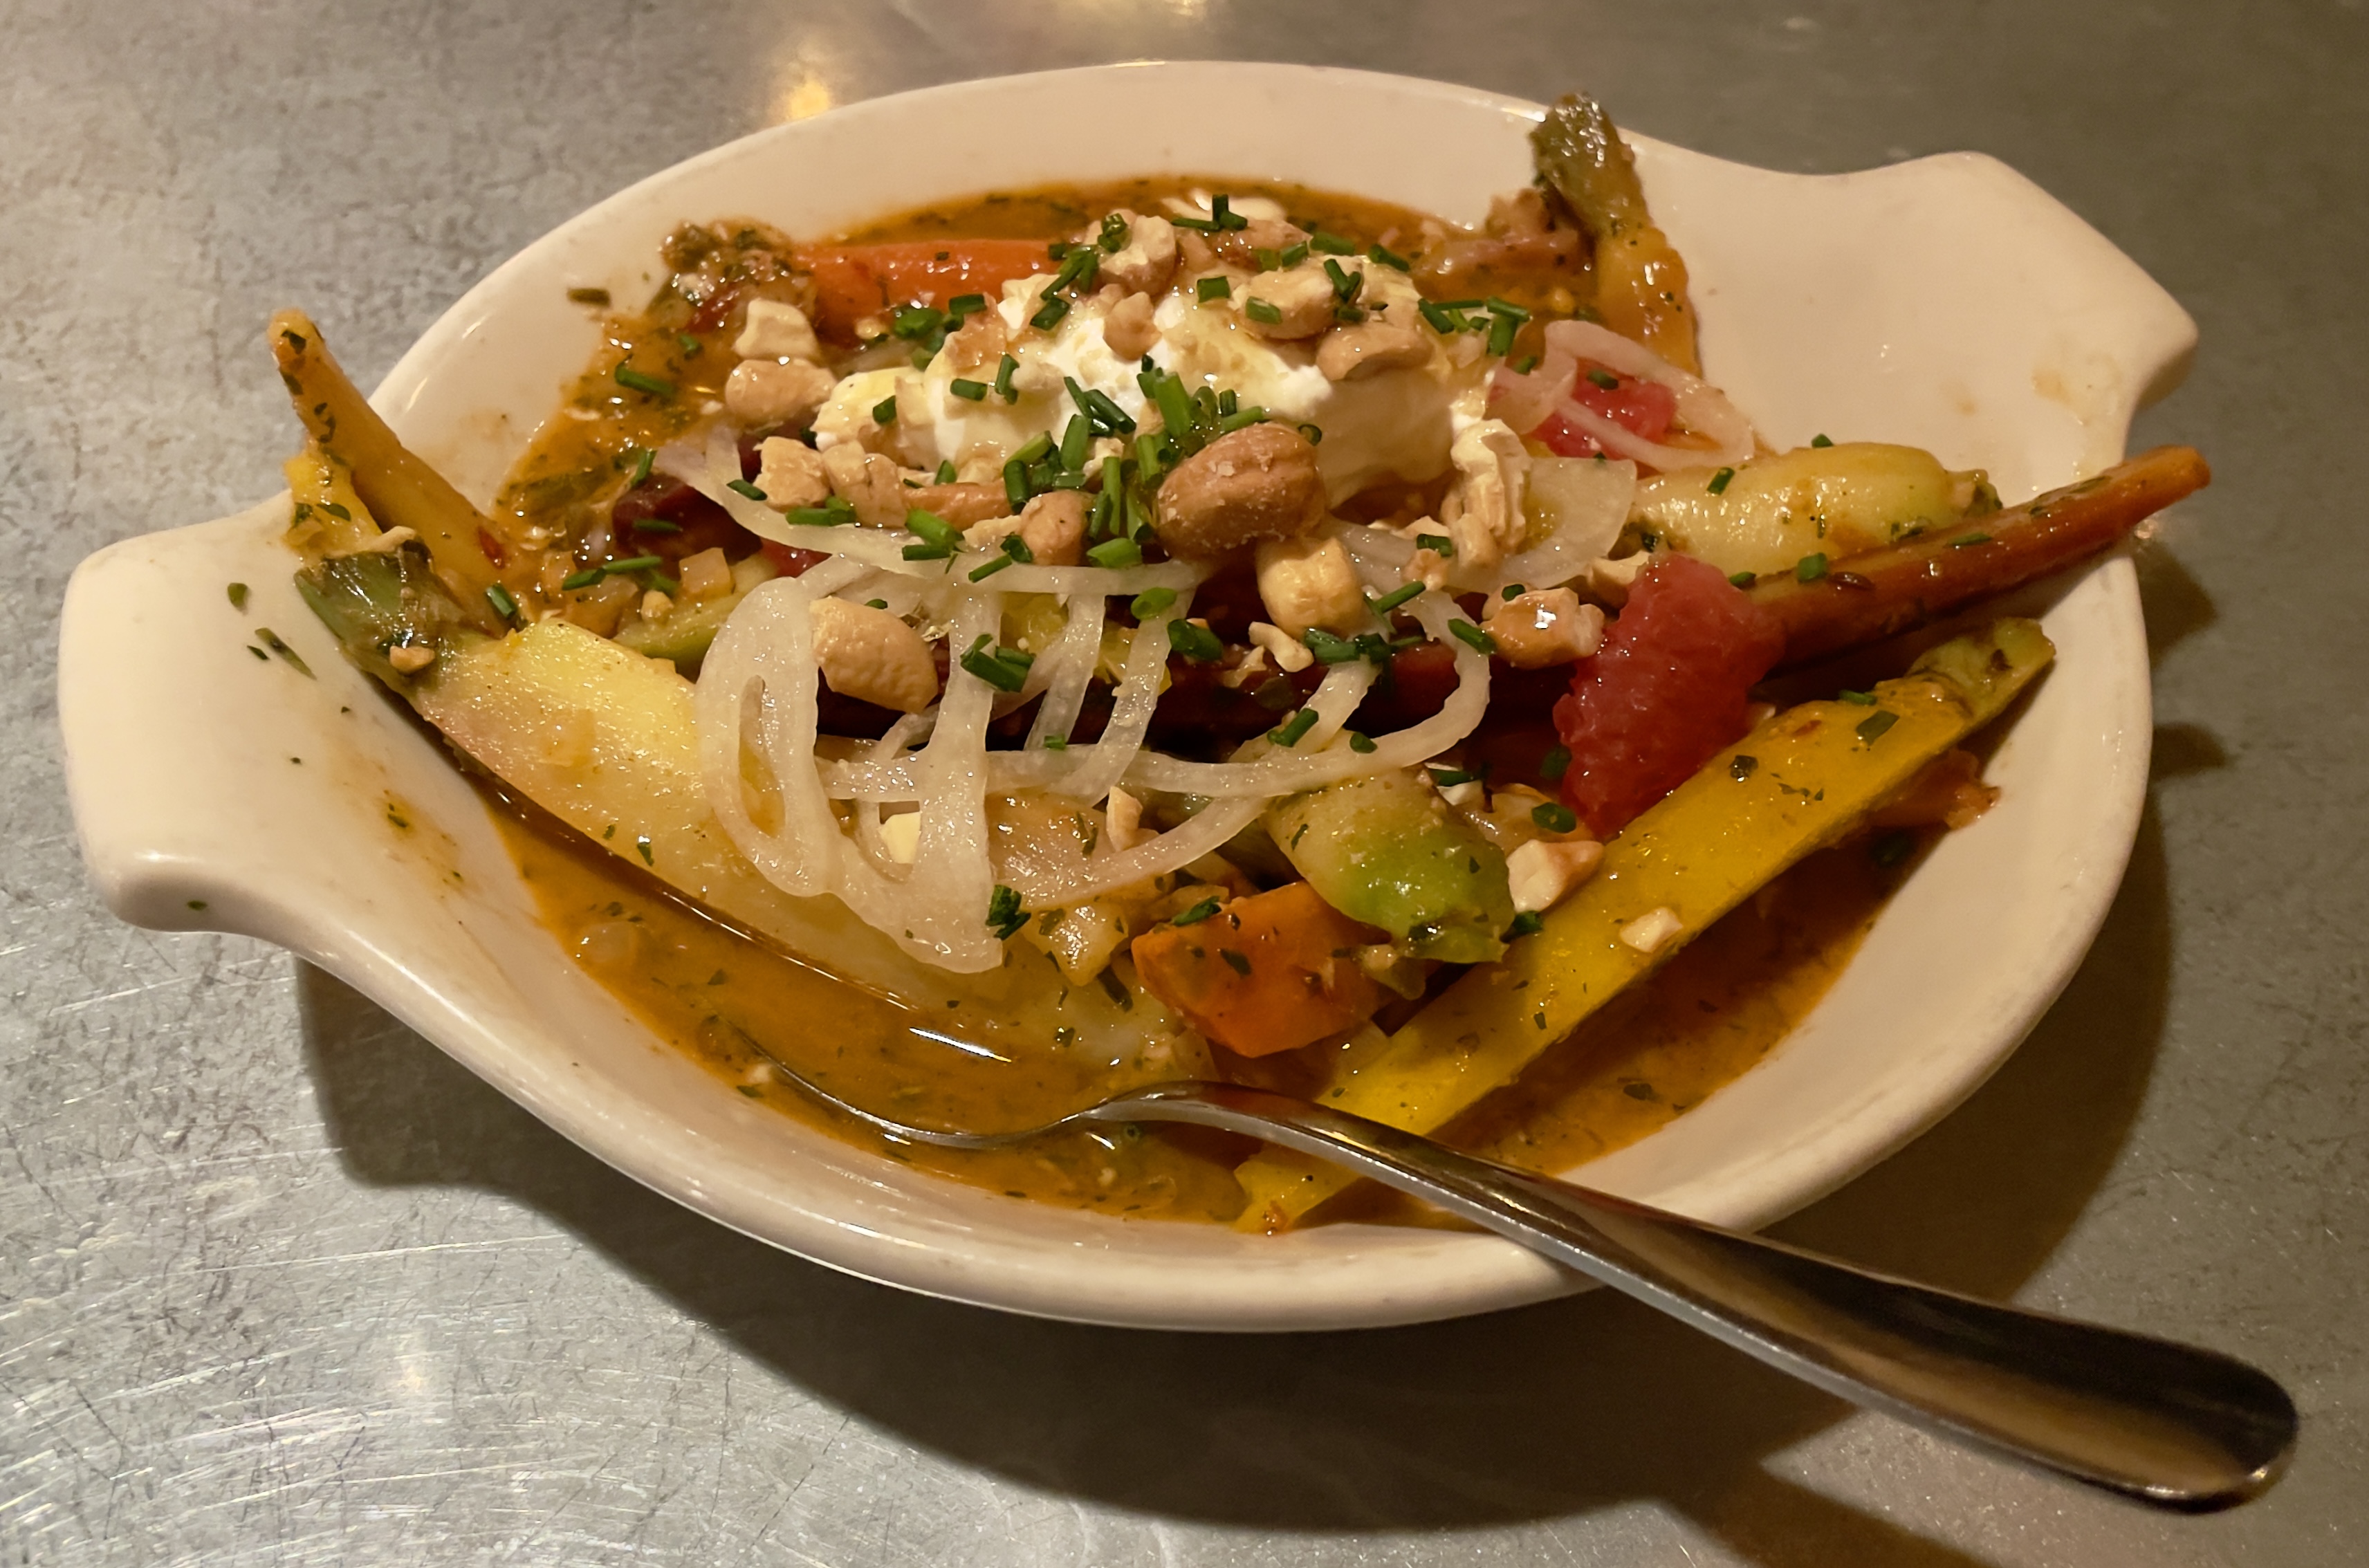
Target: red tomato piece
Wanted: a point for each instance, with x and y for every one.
(1645, 408)
(1664, 694)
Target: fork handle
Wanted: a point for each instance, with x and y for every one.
(2171, 1424)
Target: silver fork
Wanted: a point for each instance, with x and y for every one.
(2168, 1424)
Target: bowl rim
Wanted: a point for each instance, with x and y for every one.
(1423, 1276)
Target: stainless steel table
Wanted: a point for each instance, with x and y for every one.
(280, 1285)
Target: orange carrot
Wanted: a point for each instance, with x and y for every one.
(1268, 973)
(853, 282)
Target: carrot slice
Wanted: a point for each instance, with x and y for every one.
(1268, 973)
(853, 282)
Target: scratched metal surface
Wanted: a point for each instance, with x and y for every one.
(280, 1285)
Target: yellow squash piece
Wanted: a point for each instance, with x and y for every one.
(1798, 783)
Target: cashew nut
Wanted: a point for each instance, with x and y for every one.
(1053, 526)
(1148, 259)
(1487, 520)
(869, 483)
(1128, 329)
(705, 575)
(960, 504)
(1544, 626)
(1310, 582)
(762, 391)
(1261, 482)
(1369, 347)
(873, 657)
(791, 473)
(1544, 871)
(777, 331)
(1301, 302)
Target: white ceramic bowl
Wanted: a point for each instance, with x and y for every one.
(1946, 303)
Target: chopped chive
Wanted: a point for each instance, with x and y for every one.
(1293, 255)
(642, 461)
(1388, 258)
(1006, 669)
(1346, 283)
(830, 514)
(1258, 309)
(236, 593)
(931, 527)
(1056, 743)
(1809, 568)
(1529, 923)
(1197, 643)
(1050, 309)
(1036, 449)
(1875, 724)
(1554, 817)
(1115, 233)
(1864, 699)
(969, 390)
(1445, 322)
(1525, 364)
(649, 386)
(690, 344)
(1505, 309)
(1292, 730)
(1315, 433)
(884, 411)
(875, 604)
(1820, 441)
(654, 525)
(1331, 244)
(1437, 543)
(1743, 579)
(1239, 963)
(948, 473)
(1017, 548)
(1964, 540)
(980, 574)
(1219, 287)
(1228, 401)
(962, 305)
(1360, 743)
(1222, 213)
(273, 641)
(1501, 334)
(1449, 778)
(742, 488)
(1472, 636)
(1269, 260)
(1328, 649)
(1015, 484)
(1117, 553)
(1151, 603)
(1395, 598)
(1604, 379)
(1004, 387)
(1197, 913)
(1241, 418)
(1004, 915)
(915, 322)
(632, 564)
(1742, 767)
(584, 579)
(928, 552)
(1512, 591)
(1718, 481)
(1555, 763)
(504, 605)
(1076, 439)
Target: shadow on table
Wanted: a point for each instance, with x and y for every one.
(1538, 1413)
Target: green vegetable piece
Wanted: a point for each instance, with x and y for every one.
(1386, 850)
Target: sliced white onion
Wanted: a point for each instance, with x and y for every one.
(1702, 407)
(1076, 655)
(1179, 846)
(1096, 769)
(764, 656)
(1592, 509)
(1524, 401)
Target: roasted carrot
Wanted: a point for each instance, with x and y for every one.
(851, 281)
(1268, 973)
(1868, 597)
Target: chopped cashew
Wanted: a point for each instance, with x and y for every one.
(1301, 301)
(1648, 932)
(1609, 579)
(1488, 520)
(1544, 871)
(791, 472)
(960, 504)
(1310, 582)
(763, 392)
(1147, 260)
(1544, 626)
(655, 605)
(1122, 820)
(411, 657)
(873, 656)
(1291, 654)
(777, 331)
(704, 576)
(1369, 347)
(902, 836)
(1427, 566)
(1053, 526)
(980, 343)
(1128, 330)
(1259, 483)
(869, 483)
